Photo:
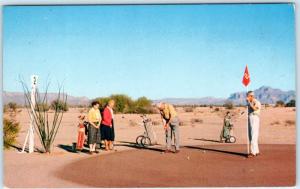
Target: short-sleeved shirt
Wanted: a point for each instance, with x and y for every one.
(256, 104)
(168, 112)
(94, 115)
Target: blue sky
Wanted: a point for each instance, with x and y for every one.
(156, 51)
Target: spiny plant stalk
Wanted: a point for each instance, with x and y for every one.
(45, 129)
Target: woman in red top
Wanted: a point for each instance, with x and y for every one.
(106, 125)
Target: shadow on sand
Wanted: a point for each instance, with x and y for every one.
(70, 148)
(135, 146)
(206, 140)
(216, 150)
(26, 149)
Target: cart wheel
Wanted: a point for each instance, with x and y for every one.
(232, 139)
(138, 140)
(146, 141)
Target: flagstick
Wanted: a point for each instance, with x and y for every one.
(247, 127)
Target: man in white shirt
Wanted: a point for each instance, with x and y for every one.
(254, 108)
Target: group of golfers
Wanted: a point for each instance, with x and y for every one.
(101, 125)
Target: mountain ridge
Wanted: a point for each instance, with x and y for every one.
(265, 94)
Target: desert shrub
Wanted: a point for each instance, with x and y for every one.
(10, 132)
(196, 120)
(275, 123)
(12, 106)
(143, 102)
(181, 123)
(228, 105)
(132, 123)
(124, 104)
(217, 109)
(291, 103)
(59, 105)
(279, 103)
(42, 107)
(156, 123)
(143, 105)
(188, 109)
(289, 122)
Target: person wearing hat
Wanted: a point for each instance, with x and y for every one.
(171, 124)
(254, 108)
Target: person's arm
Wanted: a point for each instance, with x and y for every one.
(254, 106)
(170, 117)
(163, 121)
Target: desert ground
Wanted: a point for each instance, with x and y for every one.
(203, 161)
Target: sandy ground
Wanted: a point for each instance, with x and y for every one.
(41, 170)
(194, 166)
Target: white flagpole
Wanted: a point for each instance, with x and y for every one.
(247, 127)
(31, 130)
(30, 133)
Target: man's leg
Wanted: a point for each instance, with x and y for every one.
(176, 133)
(91, 147)
(255, 129)
(168, 137)
(251, 122)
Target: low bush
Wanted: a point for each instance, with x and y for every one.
(59, 105)
(156, 123)
(12, 106)
(275, 123)
(188, 109)
(181, 123)
(289, 122)
(279, 103)
(228, 105)
(125, 104)
(291, 103)
(132, 123)
(42, 107)
(10, 132)
(196, 120)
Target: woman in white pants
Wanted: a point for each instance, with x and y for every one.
(254, 108)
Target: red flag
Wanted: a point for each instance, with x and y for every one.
(246, 77)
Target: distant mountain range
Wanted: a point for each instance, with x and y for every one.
(19, 98)
(264, 94)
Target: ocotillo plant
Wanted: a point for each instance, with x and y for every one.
(45, 128)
